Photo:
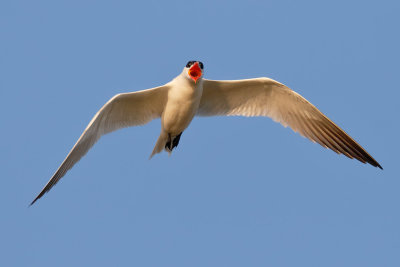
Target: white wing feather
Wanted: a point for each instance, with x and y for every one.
(123, 110)
(266, 97)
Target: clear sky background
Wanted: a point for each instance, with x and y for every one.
(237, 191)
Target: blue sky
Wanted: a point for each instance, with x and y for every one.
(237, 191)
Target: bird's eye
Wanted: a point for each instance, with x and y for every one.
(190, 63)
(201, 65)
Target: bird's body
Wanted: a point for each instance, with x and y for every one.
(182, 103)
(188, 95)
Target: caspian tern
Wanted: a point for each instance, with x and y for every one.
(189, 94)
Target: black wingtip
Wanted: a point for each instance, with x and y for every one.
(375, 163)
(38, 196)
(33, 202)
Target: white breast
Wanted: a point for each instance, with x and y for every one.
(183, 101)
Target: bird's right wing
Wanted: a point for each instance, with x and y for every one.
(123, 110)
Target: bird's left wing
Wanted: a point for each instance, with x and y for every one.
(123, 110)
(266, 97)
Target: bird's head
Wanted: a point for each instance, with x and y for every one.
(194, 70)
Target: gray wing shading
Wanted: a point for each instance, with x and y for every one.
(123, 110)
(266, 97)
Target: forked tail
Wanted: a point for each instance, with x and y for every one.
(167, 142)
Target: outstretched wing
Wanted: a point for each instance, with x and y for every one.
(123, 110)
(266, 97)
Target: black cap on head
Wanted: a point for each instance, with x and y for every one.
(190, 63)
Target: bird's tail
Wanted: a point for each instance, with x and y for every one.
(167, 142)
(161, 141)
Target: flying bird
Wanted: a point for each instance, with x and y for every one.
(189, 95)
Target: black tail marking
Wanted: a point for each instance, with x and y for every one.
(175, 142)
